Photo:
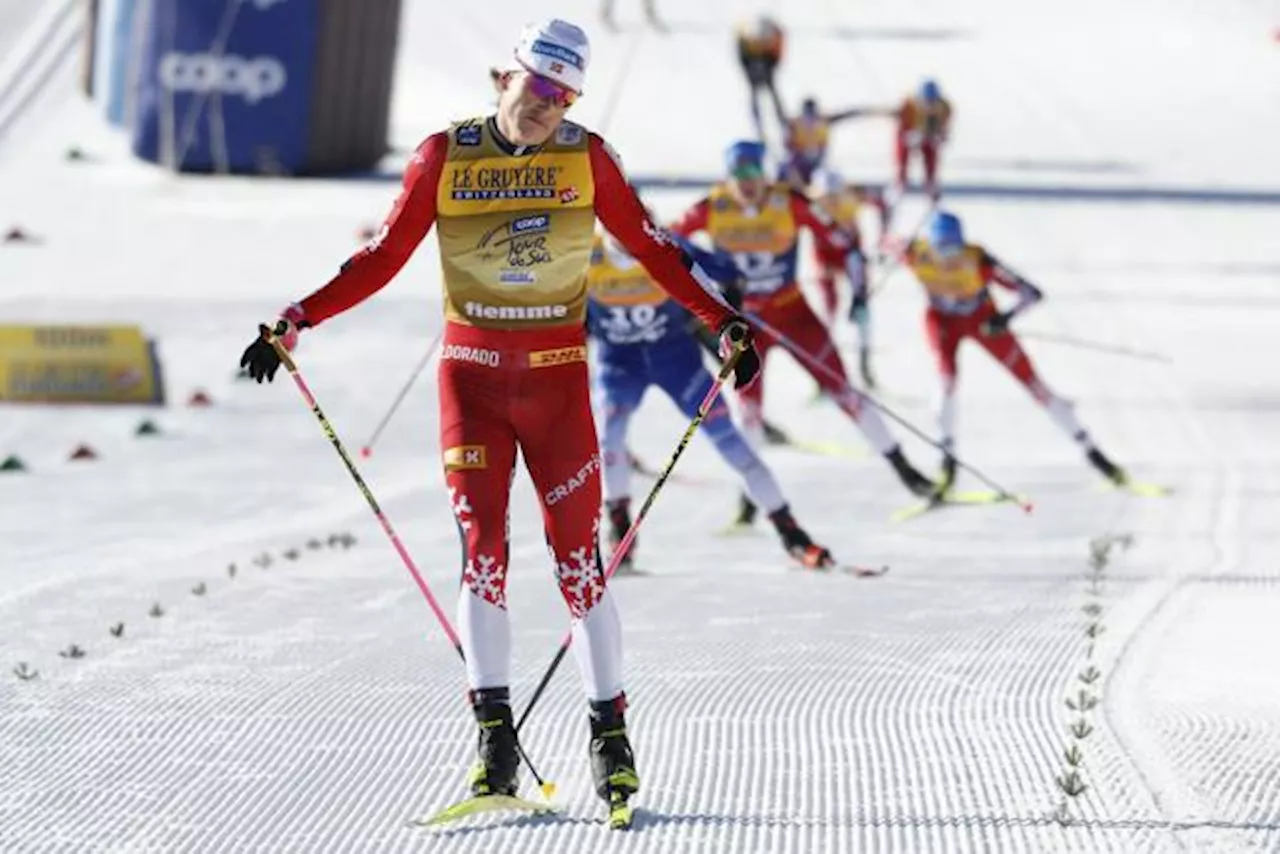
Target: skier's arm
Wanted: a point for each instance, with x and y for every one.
(997, 273)
(834, 244)
(861, 113)
(370, 269)
(718, 265)
(721, 269)
(625, 218)
(691, 221)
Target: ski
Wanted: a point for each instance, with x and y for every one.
(976, 496)
(775, 437)
(827, 563)
(1141, 488)
(483, 804)
(861, 571)
(737, 529)
(856, 570)
(827, 449)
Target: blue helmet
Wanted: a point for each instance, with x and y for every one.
(944, 233)
(930, 92)
(745, 154)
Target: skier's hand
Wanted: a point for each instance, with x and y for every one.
(997, 324)
(735, 334)
(260, 359)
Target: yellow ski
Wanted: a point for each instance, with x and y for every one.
(1137, 487)
(975, 496)
(483, 804)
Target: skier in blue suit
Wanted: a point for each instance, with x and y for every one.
(646, 338)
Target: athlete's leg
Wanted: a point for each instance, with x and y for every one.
(479, 456)
(557, 436)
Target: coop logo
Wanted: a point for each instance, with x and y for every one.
(528, 224)
(253, 79)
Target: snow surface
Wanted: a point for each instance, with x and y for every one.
(313, 704)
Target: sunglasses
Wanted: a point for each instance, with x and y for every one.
(746, 171)
(544, 87)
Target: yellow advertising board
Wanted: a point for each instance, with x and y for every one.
(78, 364)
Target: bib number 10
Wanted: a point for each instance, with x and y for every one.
(636, 322)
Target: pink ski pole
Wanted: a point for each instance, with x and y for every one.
(287, 359)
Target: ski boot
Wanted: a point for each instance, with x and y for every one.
(917, 483)
(746, 512)
(619, 523)
(498, 757)
(1108, 469)
(798, 543)
(612, 764)
(774, 435)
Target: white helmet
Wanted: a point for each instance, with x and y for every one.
(556, 49)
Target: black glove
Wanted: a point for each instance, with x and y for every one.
(735, 334)
(997, 324)
(260, 359)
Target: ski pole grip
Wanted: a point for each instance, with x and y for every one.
(272, 338)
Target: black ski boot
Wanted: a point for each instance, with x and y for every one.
(1109, 470)
(612, 764)
(917, 483)
(746, 512)
(774, 435)
(497, 757)
(798, 543)
(619, 523)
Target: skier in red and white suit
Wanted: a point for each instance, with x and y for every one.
(515, 197)
(957, 277)
(758, 223)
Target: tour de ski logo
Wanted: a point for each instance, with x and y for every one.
(520, 244)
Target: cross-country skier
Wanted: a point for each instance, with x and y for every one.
(843, 203)
(924, 125)
(647, 339)
(957, 277)
(760, 46)
(650, 14)
(758, 224)
(515, 197)
(807, 136)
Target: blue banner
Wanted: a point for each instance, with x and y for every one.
(225, 85)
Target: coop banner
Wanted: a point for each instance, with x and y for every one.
(78, 364)
(225, 87)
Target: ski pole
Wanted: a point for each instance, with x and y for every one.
(413, 378)
(808, 358)
(1093, 345)
(621, 551)
(548, 789)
